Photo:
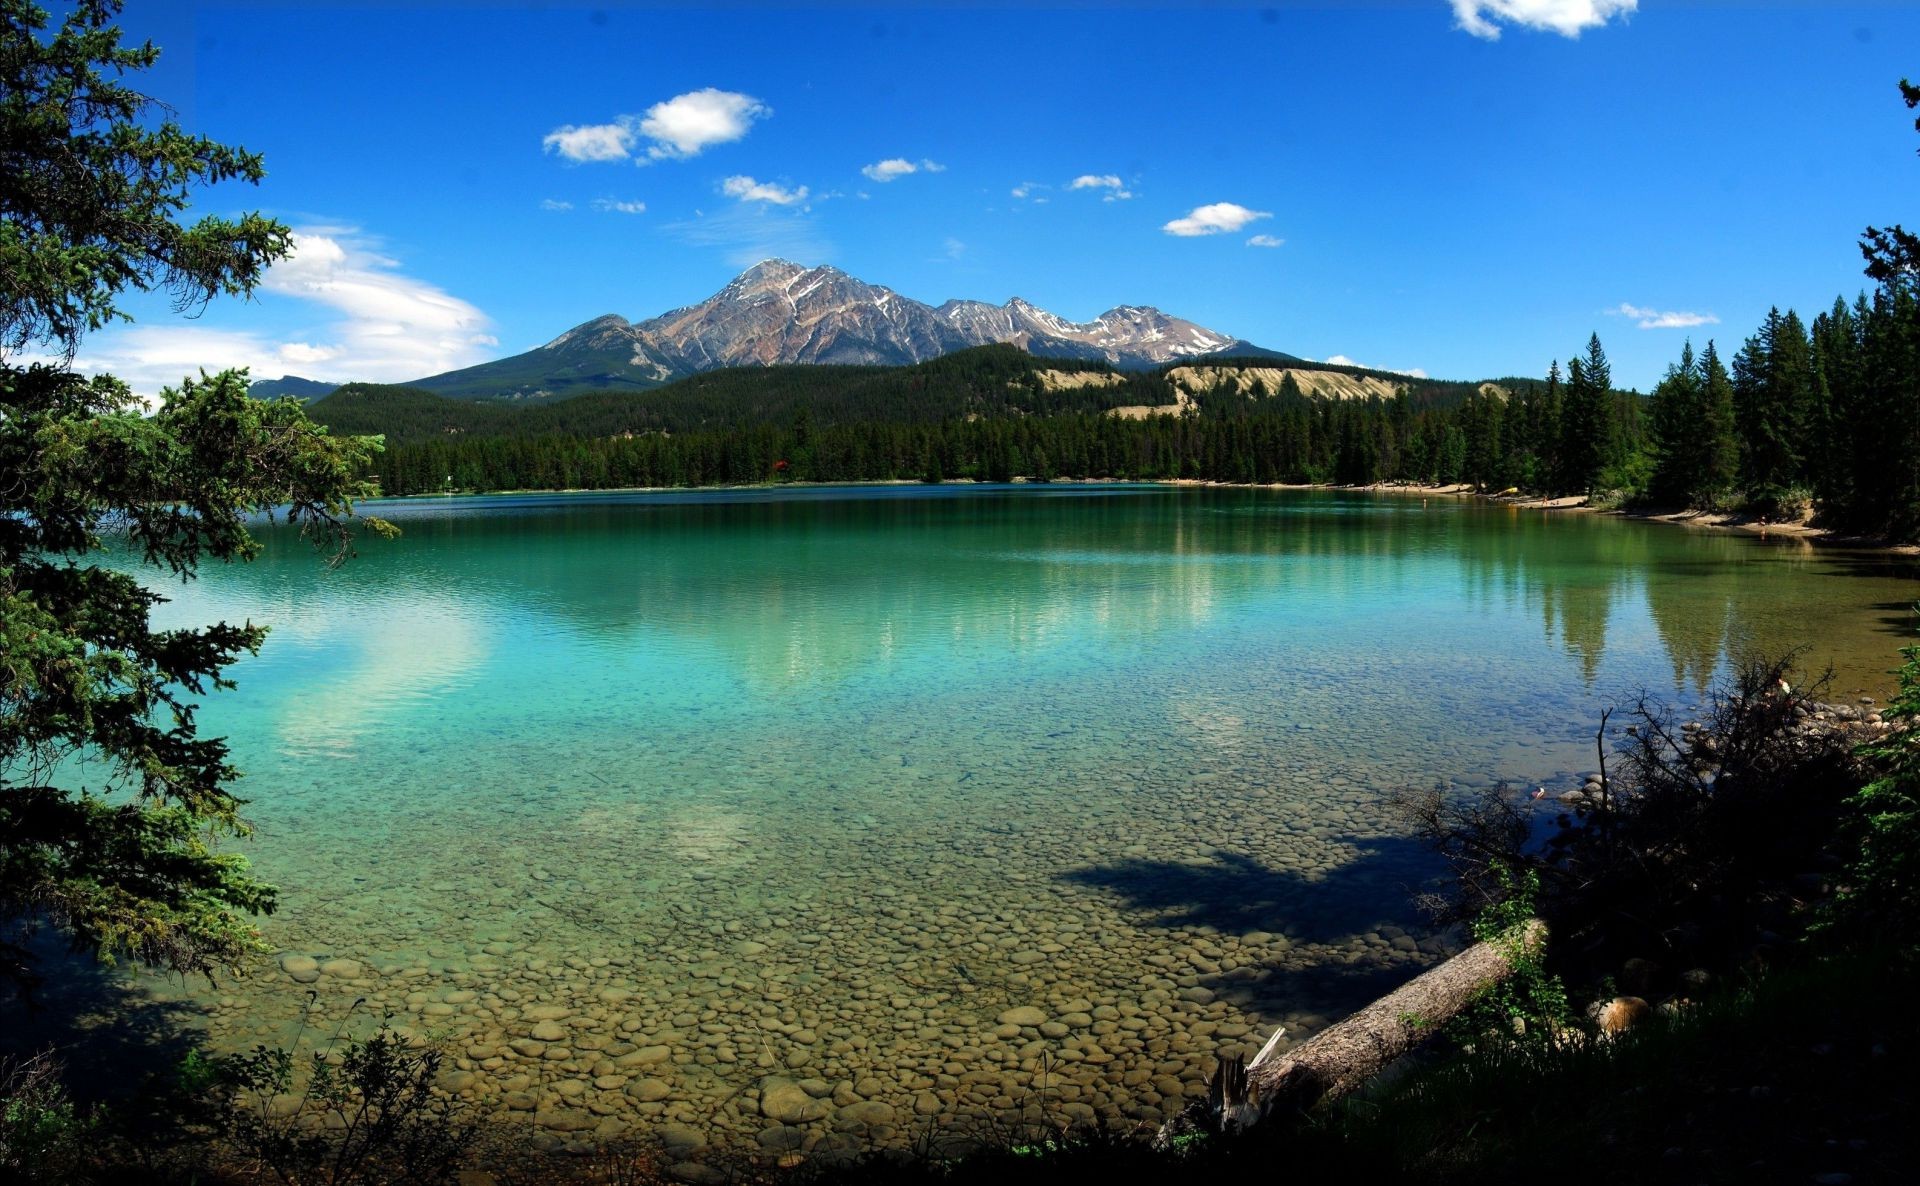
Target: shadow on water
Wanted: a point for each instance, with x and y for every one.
(1324, 991)
(110, 1034)
(1899, 616)
(1238, 894)
(1335, 963)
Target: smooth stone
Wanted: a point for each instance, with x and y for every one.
(565, 1120)
(1622, 1014)
(345, 969)
(645, 1056)
(865, 1112)
(1022, 1015)
(789, 1103)
(680, 1139)
(781, 1138)
(453, 1082)
(549, 1031)
(649, 1090)
(303, 968)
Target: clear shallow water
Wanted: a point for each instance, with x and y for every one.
(820, 783)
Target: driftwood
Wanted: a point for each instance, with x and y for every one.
(1344, 1056)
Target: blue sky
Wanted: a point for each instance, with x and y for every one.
(1467, 189)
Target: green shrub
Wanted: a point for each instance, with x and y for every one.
(42, 1135)
(1885, 889)
(367, 1114)
(1531, 1004)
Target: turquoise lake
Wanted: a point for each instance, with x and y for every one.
(937, 798)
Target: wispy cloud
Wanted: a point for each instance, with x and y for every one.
(748, 190)
(1216, 218)
(1656, 319)
(387, 325)
(1565, 17)
(1265, 241)
(676, 129)
(616, 206)
(555, 204)
(894, 167)
(1031, 189)
(746, 234)
(1117, 190)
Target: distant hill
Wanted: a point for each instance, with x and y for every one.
(983, 382)
(306, 390)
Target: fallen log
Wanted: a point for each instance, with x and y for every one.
(1344, 1056)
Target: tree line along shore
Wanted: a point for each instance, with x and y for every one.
(1820, 422)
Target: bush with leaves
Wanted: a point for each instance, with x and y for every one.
(1884, 890)
(1692, 848)
(366, 1114)
(43, 1136)
(1530, 1004)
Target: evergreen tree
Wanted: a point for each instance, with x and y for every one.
(1675, 418)
(120, 851)
(1773, 396)
(1719, 465)
(1586, 420)
(1832, 444)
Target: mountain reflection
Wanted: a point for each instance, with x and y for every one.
(786, 591)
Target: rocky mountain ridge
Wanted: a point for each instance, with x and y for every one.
(778, 312)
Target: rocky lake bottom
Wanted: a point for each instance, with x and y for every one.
(812, 825)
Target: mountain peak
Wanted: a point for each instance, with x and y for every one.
(773, 263)
(778, 312)
(599, 326)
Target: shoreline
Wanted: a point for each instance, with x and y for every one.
(1801, 530)
(1733, 521)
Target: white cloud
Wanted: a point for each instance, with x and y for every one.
(1565, 17)
(1025, 188)
(1213, 220)
(387, 326)
(748, 190)
(1265, 241)
(1117, 189)
(555, 204)
(685, 124)
(955, 248)
(615, 206)
(1341, 360)
(679, 128)
(1655, 319)
(591, 142)
(887, 170)
(307, 353)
